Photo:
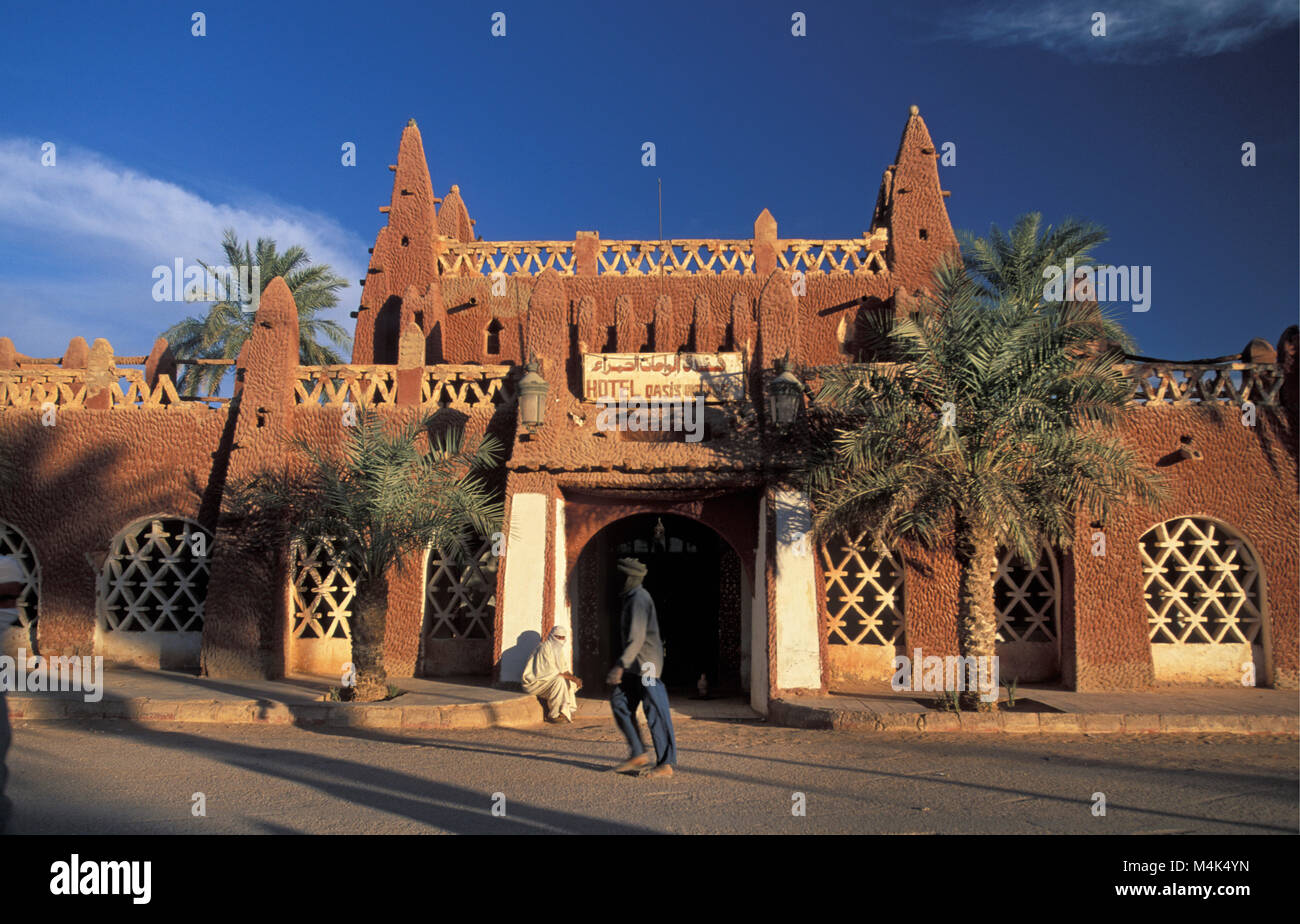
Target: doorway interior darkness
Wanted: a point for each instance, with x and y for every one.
(694, 579)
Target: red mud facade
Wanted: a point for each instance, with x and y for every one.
(117, 476)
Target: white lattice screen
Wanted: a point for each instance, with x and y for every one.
(1201, 584)
(14, 544)
(1027, 599)
(156, 577)
(460, 594)
(324, 586)
(864, 592)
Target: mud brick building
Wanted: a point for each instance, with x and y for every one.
(114, 509)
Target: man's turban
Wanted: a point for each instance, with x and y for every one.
(632, 566)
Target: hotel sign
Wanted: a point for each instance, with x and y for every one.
(662, 376)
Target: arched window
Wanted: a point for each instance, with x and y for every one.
(1201, 584)
(494, 330)
(15, 544)
(155, 578)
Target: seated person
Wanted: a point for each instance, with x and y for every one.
(545, 677)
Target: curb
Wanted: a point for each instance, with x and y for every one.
(522, 711)
(794, 715)
(507, 713)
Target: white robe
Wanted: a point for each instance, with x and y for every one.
(542, 678)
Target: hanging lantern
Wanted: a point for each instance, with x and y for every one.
(532, 397)
(784, 395)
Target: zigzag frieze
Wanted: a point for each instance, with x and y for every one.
(864, 256)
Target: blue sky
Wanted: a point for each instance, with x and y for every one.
(164, 138)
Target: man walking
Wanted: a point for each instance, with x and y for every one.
(635, 678)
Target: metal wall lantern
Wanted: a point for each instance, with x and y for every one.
(784, 395)
(532, 396)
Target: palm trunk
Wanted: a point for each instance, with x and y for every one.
(369, 622)
(977, 623)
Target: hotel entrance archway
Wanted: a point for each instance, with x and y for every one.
(696, 581)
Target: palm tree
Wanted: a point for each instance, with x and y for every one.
(221, 333)
(989, 425)
(390, 493)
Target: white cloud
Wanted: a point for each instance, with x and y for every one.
(90, 232)
(1136, 32)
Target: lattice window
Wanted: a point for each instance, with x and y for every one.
(864, 592)
(14, 544)
(1201, 584)
(1027, 599)
(461, 594)
(324, 586)
(156, 577)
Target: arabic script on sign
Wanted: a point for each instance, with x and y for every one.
(662, 376)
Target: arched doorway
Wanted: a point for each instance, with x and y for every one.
(696, 581)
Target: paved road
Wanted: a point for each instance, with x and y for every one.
(116, 776)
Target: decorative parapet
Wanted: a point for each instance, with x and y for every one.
(449, 385)
(466, 386)
(67, 389)
(1199, 383)
(93, 378)
(440, 386)
(1177, 384)
(864, 256)
(334, 386)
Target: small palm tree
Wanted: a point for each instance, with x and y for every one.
(222, 331)
(390, 493)
(990, 423)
